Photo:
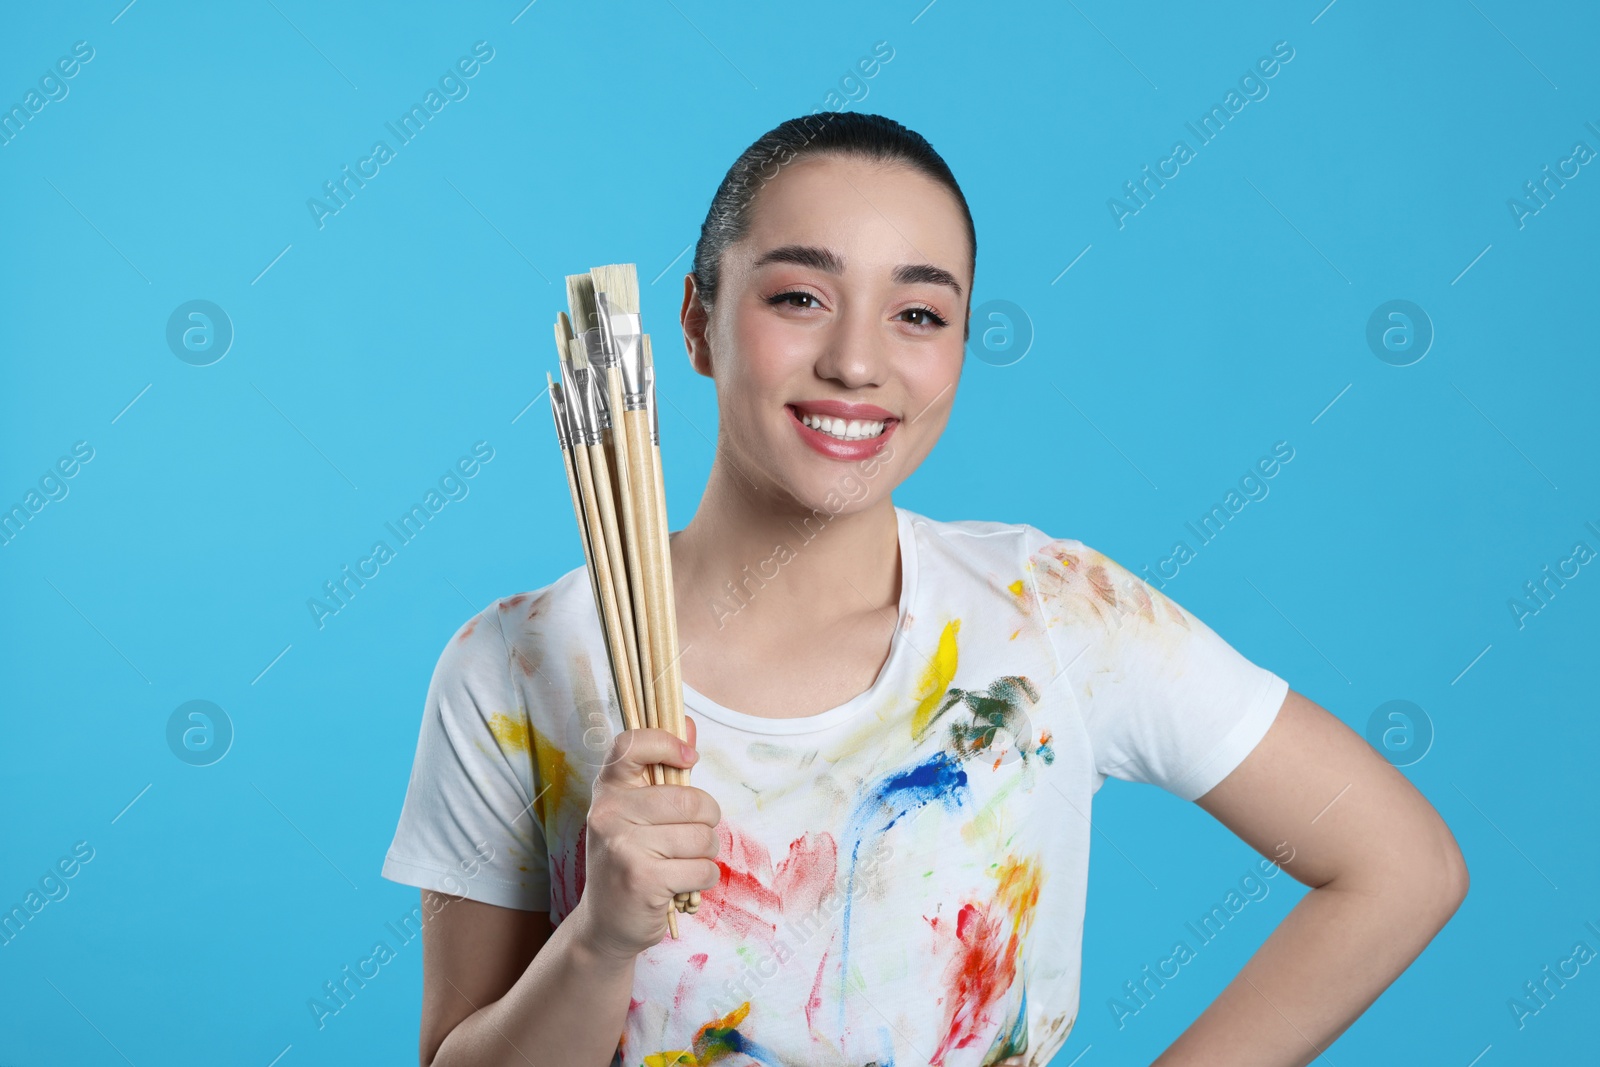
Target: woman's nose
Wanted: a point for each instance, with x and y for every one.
(854, 353)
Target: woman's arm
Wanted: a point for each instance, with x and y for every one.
(1385, 876)
(499, 987)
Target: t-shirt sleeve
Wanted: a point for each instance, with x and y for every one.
(468, 824)
(1164, 698)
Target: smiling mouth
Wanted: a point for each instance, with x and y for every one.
(843, 429)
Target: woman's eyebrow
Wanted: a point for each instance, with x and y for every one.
(907, 274)
(826, 259)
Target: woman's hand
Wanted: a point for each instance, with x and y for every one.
(645, 843)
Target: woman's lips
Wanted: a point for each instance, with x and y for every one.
(838, 448)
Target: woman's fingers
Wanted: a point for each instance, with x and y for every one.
(663, 805)
(633, 752)
(689, 840)
(646, 843)
(690, 875)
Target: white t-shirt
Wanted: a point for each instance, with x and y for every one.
(903, 876)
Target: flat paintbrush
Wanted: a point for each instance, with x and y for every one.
(581, 300)
(617, 300)
(603, 495)
(563, 420)
(664, 539)
(605, 559)
(584, 437)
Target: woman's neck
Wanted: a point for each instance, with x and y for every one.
(770, 559)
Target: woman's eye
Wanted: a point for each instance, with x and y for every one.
(790, 298)
(923, 317)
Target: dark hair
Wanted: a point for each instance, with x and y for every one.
(845, 133)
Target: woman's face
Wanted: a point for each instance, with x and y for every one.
(837, 335)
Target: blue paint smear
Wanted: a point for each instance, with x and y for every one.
(1015, 1041)
(737, 1042)
(940, 778)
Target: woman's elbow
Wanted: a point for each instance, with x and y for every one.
(1445, 876)
(1457, 879)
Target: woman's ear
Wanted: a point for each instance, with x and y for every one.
(695, 320)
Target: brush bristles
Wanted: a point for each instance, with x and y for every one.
(580, 302)
(620, 283)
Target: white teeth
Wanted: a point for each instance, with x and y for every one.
(851, 430)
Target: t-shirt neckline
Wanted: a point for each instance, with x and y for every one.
(702, 705)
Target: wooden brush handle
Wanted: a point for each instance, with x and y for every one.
(640, 469)
(604, 546)
(626, 492)
(570, 463)
(686, 902)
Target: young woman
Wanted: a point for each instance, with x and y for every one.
(897, 724)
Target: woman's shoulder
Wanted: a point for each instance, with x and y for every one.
(984, 536)
(523, 627)
(1060, 569)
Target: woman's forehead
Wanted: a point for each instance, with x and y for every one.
(871, 216)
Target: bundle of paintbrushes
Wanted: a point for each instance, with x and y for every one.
(605, 415)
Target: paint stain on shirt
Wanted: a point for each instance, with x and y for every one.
(510, 733)
(936, 679)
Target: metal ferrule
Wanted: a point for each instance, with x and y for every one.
(579, 409)
(583, 378)
(623, 333)
(602, 397)
(650, 406)
(558, 412)
(594, 347)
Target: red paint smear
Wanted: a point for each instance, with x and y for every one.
(807, 873)
(529, 668)
(814, 1002)
(507, 605)
(981, 972)
(752, 894)
(566, 882)
(697, 963)
(467, 632)
(578, 864)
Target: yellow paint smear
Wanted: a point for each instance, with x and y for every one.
(936, 679)
(554, 775)
(512, 734)
(709, 1039)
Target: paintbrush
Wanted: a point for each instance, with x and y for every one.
(581, 299)
(584, 438)
(625, 343)
(608, 488)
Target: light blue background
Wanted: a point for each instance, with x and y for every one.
(1228, 314)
